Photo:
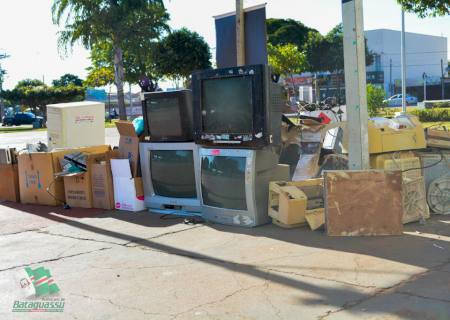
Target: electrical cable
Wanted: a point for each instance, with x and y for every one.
(66, 206)
(421, 167)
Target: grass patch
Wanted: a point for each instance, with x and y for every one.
(19, 129)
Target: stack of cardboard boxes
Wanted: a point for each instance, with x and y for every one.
(111, 178)
(9, 186)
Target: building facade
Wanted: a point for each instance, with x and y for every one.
(425, 55)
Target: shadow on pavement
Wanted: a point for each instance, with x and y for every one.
(408, 249)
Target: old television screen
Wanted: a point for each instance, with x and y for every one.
(223, 182)
(161, 112)
(227, 105)
(172, 173)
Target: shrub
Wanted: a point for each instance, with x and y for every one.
(432, 115)
(375, 97)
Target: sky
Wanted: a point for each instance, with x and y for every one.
(29, 37)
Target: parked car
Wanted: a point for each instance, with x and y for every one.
(396, 100)
(20, 118)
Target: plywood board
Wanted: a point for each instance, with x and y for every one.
(363, 203)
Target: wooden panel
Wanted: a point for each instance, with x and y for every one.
(363, 203)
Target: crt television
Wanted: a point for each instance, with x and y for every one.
(168, 115)
(235, 184)
(171, 177)
(239, 106)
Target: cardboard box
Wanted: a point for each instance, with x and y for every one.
(37, 174)
(289, 202)
(402, 160)
(128, 191)
(129, 145)
(78, 186)
(438, 138)
(102, 186)
(9, 186)
(78, 190)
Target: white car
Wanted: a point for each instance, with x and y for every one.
(396, 100)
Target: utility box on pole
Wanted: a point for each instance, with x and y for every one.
(355, 84)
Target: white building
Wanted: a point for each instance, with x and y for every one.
(424, 54)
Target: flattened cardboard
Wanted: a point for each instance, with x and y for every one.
(78, 190)
(9, 186)
(78, 187)
(363, 203)
(129, 145)
(128, 191)
(102, 186)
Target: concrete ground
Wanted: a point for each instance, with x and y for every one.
(117, 265)
(20, 139)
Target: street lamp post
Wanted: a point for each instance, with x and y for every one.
(424, 76)
(403, 53)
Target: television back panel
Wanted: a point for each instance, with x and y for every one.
(168, 116)
(263, 96)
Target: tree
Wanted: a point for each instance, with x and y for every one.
(67, 79)
(99, 77)
(111, 21)
(425, 8)
(35, 94)
(285, 31)
(326, 53)
(287, 60)
(180, 53)
(2, 71)
(375, 97)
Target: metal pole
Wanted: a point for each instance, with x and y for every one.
(355, 84)
(403, 53)
(240, 33)
(442, 79)
(424, 88)
(390, 78)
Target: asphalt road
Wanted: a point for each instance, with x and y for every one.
(20, 139)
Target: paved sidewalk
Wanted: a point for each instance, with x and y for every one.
(20, 139)
(118, 265)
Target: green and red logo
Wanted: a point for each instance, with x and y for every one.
(42, 281)
(44, 299)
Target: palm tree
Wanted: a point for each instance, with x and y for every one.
(113, 21)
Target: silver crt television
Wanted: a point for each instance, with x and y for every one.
(235, 184)
(171, 177)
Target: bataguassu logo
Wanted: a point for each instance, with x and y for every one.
(41, 292)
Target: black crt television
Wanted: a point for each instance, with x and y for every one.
(168, 115)
(240, 107)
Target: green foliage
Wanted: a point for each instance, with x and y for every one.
(95, 21)
(68, 79)
(180, 53)
(425, 8)
(285, 31)
(2, 71)
(138, 61)
(326, 53)
(110, 22)
(26, 83)
(443, 104)
(432, 115)
(286, 59)
(99, 77)
(35, 94)
(375, 97)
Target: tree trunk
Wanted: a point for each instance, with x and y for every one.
(118, 79)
